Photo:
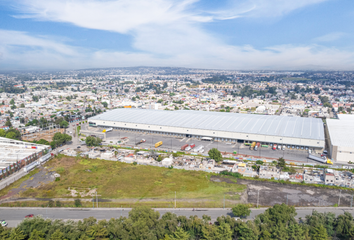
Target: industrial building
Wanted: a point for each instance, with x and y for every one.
(341, 138)
(232, 127)
(15, 154)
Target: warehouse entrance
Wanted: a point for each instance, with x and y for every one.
(188, 135)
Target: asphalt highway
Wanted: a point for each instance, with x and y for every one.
(13, 216)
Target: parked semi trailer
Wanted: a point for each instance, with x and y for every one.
(140, 142)
(158, 144)
(184, 147)
(253, 145)
(320, 159)
(257, 146)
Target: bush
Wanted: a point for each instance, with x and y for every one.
(259, 162)
(57, 179)
(241, 210)
(57, 203)
(51, 203)
(135, 163)
(78, 203)
(236, 175)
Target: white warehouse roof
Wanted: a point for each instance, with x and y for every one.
(341, 131)
(296, 127)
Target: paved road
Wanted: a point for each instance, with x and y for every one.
(15, 215)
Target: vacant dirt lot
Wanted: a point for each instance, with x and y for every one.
(296, 195)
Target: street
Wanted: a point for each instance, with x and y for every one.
(14, 216)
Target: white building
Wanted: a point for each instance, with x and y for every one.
(341, 138)
(230, 127)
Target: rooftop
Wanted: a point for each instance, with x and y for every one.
(296, 127)
(341, 131)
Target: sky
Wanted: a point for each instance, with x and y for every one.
(222, 34)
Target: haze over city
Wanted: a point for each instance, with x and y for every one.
(244, 34)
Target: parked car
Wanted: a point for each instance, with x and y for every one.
(3, 223)
(29, 216)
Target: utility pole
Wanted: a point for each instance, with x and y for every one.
(257, 198)
(175, 199)
(351, 202)
(340, 192)
(224, 201)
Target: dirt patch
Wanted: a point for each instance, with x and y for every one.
(296, 195)
(40, 179)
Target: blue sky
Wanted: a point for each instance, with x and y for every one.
(238, 34)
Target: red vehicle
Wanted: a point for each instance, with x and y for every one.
(274, 147)
(29, 216)
(184, 147)
(192, 145)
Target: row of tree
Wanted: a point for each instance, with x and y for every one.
(277, 222)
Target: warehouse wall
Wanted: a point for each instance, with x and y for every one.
(215, 134)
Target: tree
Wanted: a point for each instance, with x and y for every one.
(93, 141)
(179, 234)
(126, 90)
(16, 234)
(64, 124)
(281, 162)
(22, 105)
(15, 134)
(105, 104)
(319, 233)
(2, 133)
(60, 138)
(57, 235)
(8, 122)
(78, 203)
(37, 235)
(11, 135)
(12, 102)
(215, 154)
(241, 210)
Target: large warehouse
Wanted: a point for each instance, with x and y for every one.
(294, 131)
(341, 138)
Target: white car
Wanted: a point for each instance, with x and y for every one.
(3, 223)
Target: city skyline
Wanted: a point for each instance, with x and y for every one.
(249, 34)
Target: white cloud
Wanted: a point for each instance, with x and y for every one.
(166, 32)
(18, 49)
(330, 37)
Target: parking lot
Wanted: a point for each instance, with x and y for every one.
(175, 144)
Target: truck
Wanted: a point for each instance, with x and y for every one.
(253, 145)
(274, 147)
(107, 130)
(320, 159)
(199, 148)
(158, 144)
(192, 145)
(257, 146)
(188, 148)
(140, 142)
(184, 147)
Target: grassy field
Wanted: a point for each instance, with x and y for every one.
(116, 180)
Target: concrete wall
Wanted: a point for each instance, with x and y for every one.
(319, 144)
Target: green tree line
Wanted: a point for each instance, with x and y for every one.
(277, 222)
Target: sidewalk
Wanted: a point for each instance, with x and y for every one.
(12, 178)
